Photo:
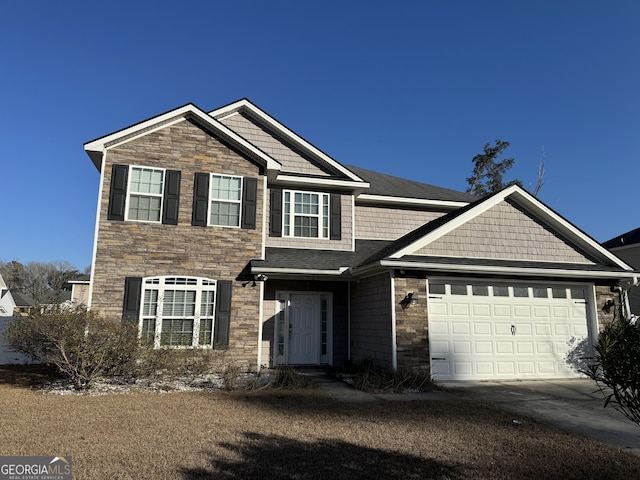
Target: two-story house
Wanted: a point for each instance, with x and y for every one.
(227, 230)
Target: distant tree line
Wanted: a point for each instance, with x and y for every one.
(44, 282)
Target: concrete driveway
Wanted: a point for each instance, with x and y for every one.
(574, 405)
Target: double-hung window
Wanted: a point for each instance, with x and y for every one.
(226, 200)
(146, 186)
(306, 214)
(177, 311)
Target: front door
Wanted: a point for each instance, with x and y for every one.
(304, 328)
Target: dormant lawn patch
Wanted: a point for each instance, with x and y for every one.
(293, 434)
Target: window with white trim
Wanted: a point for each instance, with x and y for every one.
(305, 214)
(177, 311)
(225, 200)
(144, 197)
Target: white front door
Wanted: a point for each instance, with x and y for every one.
(304, 329)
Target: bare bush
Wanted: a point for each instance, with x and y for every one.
(80, 344)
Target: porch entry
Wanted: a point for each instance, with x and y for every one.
(303, 329)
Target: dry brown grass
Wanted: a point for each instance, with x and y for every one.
(298, 434)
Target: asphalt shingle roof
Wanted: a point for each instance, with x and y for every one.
(388, 185)
(297, 258)
(628, 238)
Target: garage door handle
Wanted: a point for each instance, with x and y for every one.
(438, 358)
(513, 329)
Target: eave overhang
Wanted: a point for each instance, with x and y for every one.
(583, 272)
(369, 199)
(96, 148)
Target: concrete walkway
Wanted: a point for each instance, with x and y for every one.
(572, 405)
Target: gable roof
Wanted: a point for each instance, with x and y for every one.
(96, 148)
(384, 186)
(402, 252)
(244, 106)
(626, 239)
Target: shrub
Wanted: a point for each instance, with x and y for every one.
(370, 377)
(79, 343)
(616, 369)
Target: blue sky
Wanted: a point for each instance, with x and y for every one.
(412, 89)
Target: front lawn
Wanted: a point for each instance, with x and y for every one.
(298, 434)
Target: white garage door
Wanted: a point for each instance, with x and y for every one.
(484, 330)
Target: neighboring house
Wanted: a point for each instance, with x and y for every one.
(24, 303)
(227, 230)
(7, 309)
(627, 247)
(79, 294)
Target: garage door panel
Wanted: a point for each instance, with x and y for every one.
(488, 335)
(482, 328)
(459, 310)
(485, 369)
(484, 348)
(502, 311)
(543, 329)
(463, 368)
(502, 329)
(481, 310)
(436, 308)
(524, 348)
(541, 312)
(526, 368)
(505, 368)
(544, 347)
(438, 327)
(522, 311)
(460, 328)
(439, 348)
(461, 347)
(504, 347)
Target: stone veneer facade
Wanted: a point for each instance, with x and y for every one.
(412, 323)
(141, 249)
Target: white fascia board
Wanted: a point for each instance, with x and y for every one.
(507, 271)
(245, 104)
(407, 201)
(171, 118)
(319, 182)
(298, 271)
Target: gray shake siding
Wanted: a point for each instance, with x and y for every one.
(371, 335)
(504, 232)
(290, 160)
(377, 223)
(138, 249)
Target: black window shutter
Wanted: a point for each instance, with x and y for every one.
(171, 197)
(275, 216)
(200, 200)
(249, 202)
(336, 217)
(118, 192)
(223, 312)
(132, 294)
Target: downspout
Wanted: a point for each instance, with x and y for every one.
(394, 342)
(349, 321)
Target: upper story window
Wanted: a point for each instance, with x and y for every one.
(146, 187)
(226, 200)
(306, 214)
(144, 194)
